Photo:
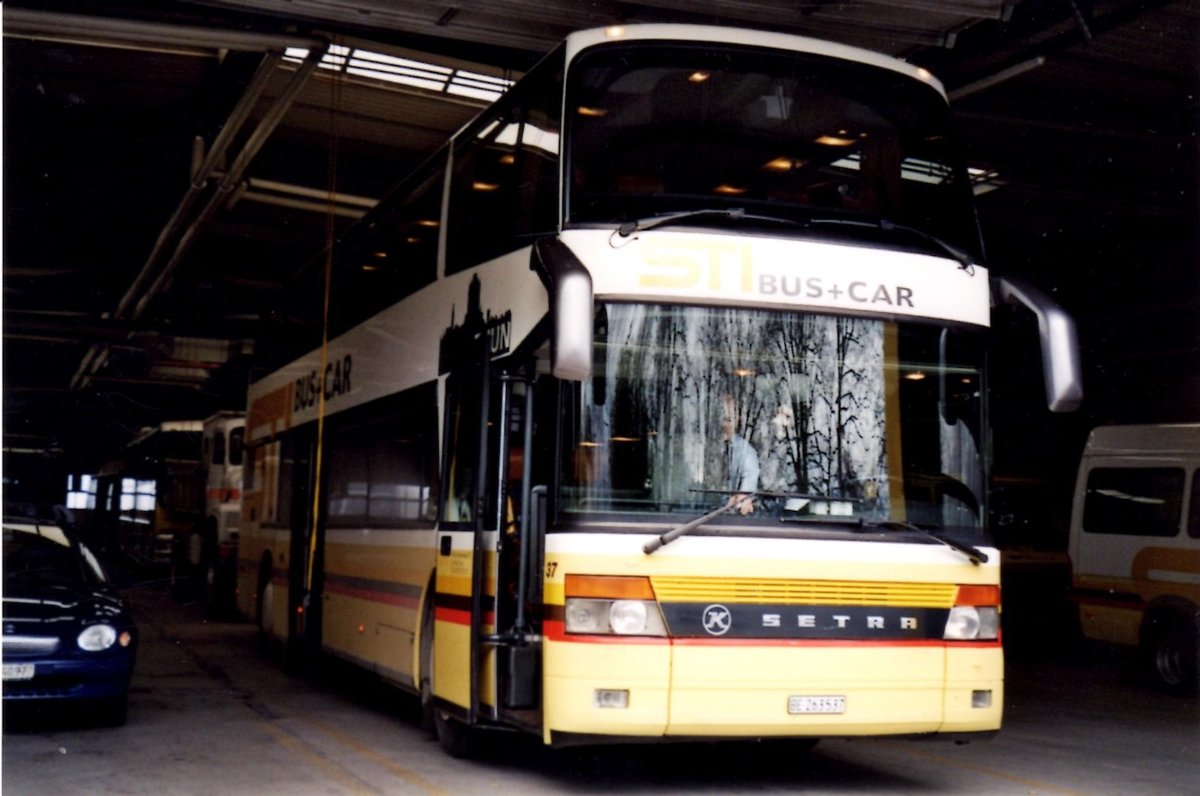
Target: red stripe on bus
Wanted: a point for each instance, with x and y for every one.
(458, 617)
(404, 601)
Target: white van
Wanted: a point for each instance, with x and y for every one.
(1135, 545)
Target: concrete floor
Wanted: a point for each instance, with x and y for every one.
(212, 713)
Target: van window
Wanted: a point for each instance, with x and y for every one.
(1133, 501)
(237, 439)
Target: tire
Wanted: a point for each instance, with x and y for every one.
(1173, 654)
(456, 738)
(195, 550)
(114, 711)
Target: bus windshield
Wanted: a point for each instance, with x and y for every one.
(656, 128)
(826, 419)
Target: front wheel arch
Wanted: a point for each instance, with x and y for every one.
(425, 657)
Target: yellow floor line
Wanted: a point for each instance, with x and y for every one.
(332, 771)
(985, 770)
(396, 769)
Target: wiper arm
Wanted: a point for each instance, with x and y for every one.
(736, 213)
(688, 527)
(976, 555)
(964, 260)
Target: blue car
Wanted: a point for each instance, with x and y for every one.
(67, 634)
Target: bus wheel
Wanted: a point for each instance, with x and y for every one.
(1173, 651)
(195, 549)
(265, 613)
(456, 738)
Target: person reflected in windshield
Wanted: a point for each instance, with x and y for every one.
(741, 460)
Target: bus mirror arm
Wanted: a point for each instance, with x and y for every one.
(1061, 367)
(571, 308)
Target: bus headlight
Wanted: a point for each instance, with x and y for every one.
(628, 617)
(613, 617)
(972, 623)
(587, 616)
(611, 605)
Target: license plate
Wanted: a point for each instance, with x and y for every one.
(18, 671)
(816, 704)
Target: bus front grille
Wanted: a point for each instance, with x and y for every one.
(776, 591)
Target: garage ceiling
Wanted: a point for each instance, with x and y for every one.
(167, 167)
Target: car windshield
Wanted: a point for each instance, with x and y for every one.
(45, 554)
(828, 419)
(656, 128)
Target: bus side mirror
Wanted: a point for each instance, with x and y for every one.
(571, 309)
(1061, 368)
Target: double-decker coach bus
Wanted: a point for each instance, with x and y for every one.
(653, 407)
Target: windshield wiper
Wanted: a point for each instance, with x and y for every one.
(965, 261)
(735, 213)
(688, 527)
(976, 555)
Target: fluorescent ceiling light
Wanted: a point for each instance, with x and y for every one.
(406, 72)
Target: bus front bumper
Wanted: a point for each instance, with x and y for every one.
(707, 690)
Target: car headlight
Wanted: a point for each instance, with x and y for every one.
(97, 638)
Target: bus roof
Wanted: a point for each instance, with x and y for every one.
(1157, 438)
(757, 38)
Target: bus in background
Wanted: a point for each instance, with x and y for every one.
(653, 407)
(212, 547)
(1135, 545)
(150, 498)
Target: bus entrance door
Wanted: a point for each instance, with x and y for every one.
(517, 648)
(486, 425)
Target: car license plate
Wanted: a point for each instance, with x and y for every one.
(816, 704)
(18, 671)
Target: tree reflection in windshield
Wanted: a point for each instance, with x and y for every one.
(691, 406)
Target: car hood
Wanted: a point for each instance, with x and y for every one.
(48, 605)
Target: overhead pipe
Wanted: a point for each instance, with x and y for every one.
(216, 153)
(984, 83)
(135, 300)
(233, 175)
(93, 31)
(208, 165)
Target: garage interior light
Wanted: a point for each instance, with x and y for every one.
(406, 71)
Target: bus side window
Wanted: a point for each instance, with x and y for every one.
(482, 193)
(504, 191)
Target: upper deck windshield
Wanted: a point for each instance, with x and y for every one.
(657, 127)
(835, 420)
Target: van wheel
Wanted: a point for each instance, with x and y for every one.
(1173, 653)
